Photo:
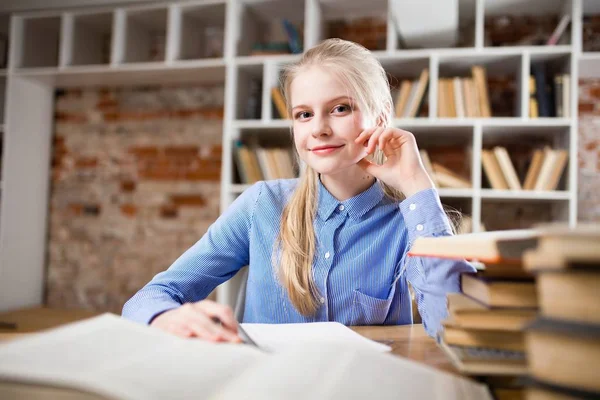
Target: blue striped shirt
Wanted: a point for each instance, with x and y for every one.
(360, 267)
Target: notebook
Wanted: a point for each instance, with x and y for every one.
(115, 358)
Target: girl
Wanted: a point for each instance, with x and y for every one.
(330, 245)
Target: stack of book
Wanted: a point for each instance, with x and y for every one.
(460, 97)
(549, 97)
(504, 324)
(544, 172)
(563, 344)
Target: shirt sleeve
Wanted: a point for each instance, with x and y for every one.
(431, 278)
(215, 258)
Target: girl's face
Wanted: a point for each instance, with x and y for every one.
(325, 122)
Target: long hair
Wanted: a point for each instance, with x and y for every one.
(367, 82)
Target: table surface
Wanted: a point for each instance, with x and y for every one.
(409, 341)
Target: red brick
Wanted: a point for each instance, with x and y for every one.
(106, 104)
(169, 211)
(62, 116)
(181, 151)
(595, 92)
(75, 208)
(586, 107)
(145, 151)
(86, 162)
(128, 186)
(129, 210)
(189, 200)
(591, 145)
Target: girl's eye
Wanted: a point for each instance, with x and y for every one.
(302, 115)
(342, 108)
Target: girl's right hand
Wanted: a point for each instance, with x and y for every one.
(198, 320)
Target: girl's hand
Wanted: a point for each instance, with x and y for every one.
(198, 320)
(403, 169)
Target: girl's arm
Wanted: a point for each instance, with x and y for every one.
(431, 278)
(215, 258)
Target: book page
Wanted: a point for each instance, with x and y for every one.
(279, 337)
(343, 371)
(118, 358)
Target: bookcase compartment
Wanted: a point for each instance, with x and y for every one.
(41, 41)
(362, 22)
(417, 26)
(145, 35)
(527, 23)
(249, 91)
(479, 86)
(447, 155)
(92, 38)
(263, 155)
(202, 29)
(550, 86)
(270, 27)
(409, 80)
(590, 27)
(527, 158)
(503, 214)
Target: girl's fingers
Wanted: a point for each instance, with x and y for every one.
(373, 140)
(385, 137)
(220, 311)
(364, 135)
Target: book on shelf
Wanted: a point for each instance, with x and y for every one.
(553, 164)
(411, 96)
(253, 107)
(507, 168)
(559, 30)
(428, 166)
(279, 103)
(533, 103)
(447, 178)
(312, 360)
(493, 171)
(460, 97)
(255, 163)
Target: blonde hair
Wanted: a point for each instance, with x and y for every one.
(367, 82)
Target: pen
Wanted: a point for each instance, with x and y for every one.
(241, 332)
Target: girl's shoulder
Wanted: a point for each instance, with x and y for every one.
(274, 191)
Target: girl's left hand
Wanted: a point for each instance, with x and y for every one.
(403, 168)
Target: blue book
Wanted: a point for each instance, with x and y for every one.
(293, 37)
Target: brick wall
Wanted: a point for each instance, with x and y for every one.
(135, 182)
(589, 150)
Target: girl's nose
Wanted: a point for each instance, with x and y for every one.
(321, 127)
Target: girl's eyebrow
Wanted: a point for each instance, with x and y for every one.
(335, 99)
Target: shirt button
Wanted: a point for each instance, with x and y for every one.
(341, 208)
(327, 255)
(412, 206)
(322, 300)
(419, 227)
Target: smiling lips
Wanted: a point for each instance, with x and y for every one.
(324, 150)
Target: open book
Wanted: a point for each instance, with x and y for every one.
(111, 357)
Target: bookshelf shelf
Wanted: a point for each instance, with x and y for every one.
(46, 53)
(524, 195)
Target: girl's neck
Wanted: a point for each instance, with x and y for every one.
(347, 184)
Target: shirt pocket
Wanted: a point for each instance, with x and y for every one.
(369, 310)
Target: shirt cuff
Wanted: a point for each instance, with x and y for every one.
(424, 215)
(146, 314)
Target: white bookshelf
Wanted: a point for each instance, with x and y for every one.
(66, 48)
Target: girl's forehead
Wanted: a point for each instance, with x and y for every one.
(315, 84)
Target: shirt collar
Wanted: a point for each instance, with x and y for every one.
(356, 206)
